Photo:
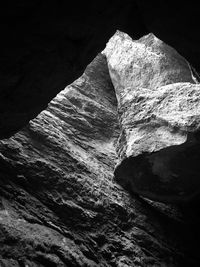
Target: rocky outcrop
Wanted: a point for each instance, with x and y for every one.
(159, 109)
(59, 203)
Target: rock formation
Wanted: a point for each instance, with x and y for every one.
(59, 202)
(159, 109)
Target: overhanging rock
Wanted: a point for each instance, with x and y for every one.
(159, 111)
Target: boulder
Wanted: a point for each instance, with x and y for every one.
(159, 111)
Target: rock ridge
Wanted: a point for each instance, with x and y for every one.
(59, 202)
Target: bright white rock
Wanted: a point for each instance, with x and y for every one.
(159, 110)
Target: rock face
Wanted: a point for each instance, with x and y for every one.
(59, 204)
(159, 109)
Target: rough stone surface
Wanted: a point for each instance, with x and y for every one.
(159, 109)
(59, 204)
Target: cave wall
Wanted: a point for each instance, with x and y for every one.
(59, 203)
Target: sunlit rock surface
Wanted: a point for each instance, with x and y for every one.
(159, 111)
(59, 204)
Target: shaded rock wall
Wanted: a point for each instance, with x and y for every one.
(59, 204)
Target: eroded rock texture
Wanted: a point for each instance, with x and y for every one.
(159, 109)
(59, 203)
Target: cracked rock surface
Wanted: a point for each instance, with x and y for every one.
(59, 202)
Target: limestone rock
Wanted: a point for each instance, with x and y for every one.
(59, 205)
(159, 109)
